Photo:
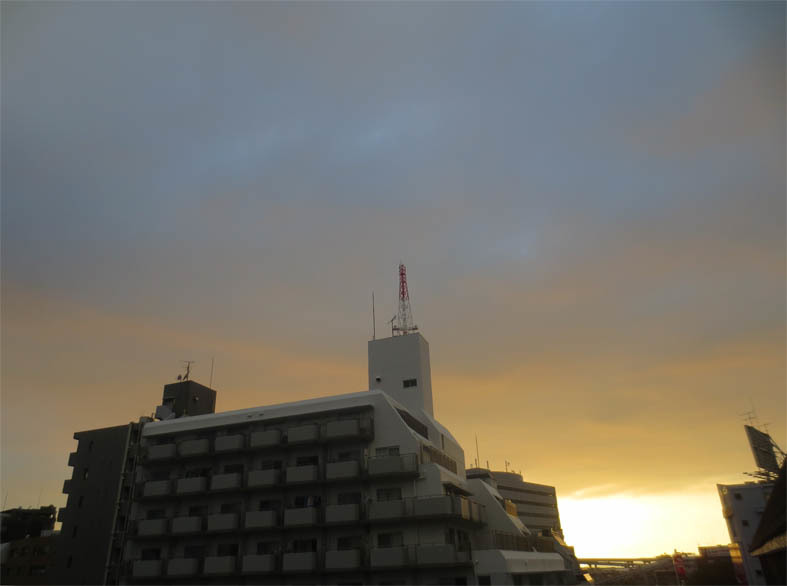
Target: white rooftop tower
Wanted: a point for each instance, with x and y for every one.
(399, 365)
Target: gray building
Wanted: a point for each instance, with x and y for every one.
(536, 504)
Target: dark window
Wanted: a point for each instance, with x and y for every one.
(302, 501)
(90, 446)
(74, 531)
(389, 494)
(85, 474)
(270, 505)
(349, 542)
(413, 423)
(80, 501)
(387, 451)
(227, 549)
(194, 551)
(267, 547)
(37, 570)
(738, 496)
(69, 561)
(271, 465)
(307, 460)
(304, 545)
(484, 580)
(233, 469)
(155, 514)
(198, 472)
(349, 498)
(745, 523)
(151, 553)
(230, 508)
(389, 540)
(348, 456)
(410, 382)
(197, 510)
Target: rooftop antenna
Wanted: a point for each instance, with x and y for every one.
(210, 384)
(477, 457)
(188, 364)
(404, 317)
(374, 321)
(507, 464)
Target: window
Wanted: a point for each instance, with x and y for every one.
(270, 505)
(745, 523)
(389, 494)
(233, 469)
(69, 561)
(194, 551)
(267, 547)
(349, 498)
(302, 501)
(152, 553)
(307, 461)
(198, 472)
(227, 549)
(349, 456)
(387, 451)
(410, 382)
(155, 514)
(80, 501)
(230, 508)
(90, 446)
(389, 540)
(304, 545)
(738, 496)
(484, 581)
(198, 510)
(349, 542)
(74, 531)
(85, 473)
(271, 465)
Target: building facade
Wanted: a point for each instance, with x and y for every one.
(742, 506)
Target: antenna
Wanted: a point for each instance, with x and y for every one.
(210, 384)
(374, 322)
(477, 457)
(404, 317)
(188, 364)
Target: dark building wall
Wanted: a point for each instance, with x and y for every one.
(89, 514)
(189, 398)
(20, 523)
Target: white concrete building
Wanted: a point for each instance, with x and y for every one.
(364, 488)
(742, 506)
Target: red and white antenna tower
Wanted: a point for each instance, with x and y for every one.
(404, 317)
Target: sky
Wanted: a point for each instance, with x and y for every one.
(589, 199)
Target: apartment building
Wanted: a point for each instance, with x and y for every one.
(536, 504)
(360, 488)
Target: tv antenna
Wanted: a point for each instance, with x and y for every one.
(185, 376)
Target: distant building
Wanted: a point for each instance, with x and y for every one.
(742, 507)
(20, 523)
(769, 543)
(28, 560)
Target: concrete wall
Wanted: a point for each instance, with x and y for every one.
(399, 358)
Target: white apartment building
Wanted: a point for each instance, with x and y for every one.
(360, 488)
(742, 506)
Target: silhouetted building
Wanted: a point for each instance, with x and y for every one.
(28, 560)
(770, 539)
(20, 523)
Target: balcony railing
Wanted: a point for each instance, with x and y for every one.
(401, 465)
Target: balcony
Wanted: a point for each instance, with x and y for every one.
(218, 565)
(299, 562)
(228, 443)
(342, 513)
(154, 488)
(186, 525)
(265, 439)
(389, 557)
(402, 465)
(301, 474)
(146, 569)
(348, 559)
(303, 434)
(440, 555)
(342, 470)
(386, 510)
(161, 452)
(258, 564)
(226, 481)
(300, 517)
(223, 522)
(198, 447)
(191, 485)
(72, 459)
(347, 428)
(182, 567)
(261, 519)
(151, 527)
